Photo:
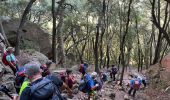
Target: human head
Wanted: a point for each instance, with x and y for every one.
(32, 69)
(93, 75)
(113, 65)
(10, 49)
(68, 71)
(82, 69)
(48, 63)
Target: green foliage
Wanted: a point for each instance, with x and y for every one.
(83, 15)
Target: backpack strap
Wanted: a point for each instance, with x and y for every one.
(40, 84)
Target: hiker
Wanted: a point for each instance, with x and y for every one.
(104, 77)
(97, 81)
(87, 84)
(21, 82)
(68, 78)
(82, 68)
(10, 60)
(135, 84)
(41, 88)
(45, 72)
(45, 68)
(143, 79)
(19, 79)
(113, 72)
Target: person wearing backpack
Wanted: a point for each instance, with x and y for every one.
(19, 79)
(41, 88)
(134, 86)
(10, 60)
(113, 72)
(87, 84)
(45, 68)
(97, 80)
(68, 78)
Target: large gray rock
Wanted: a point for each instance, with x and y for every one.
(33, 36)
(27, 56)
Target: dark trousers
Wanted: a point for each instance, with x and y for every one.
(144, 83)
(112, 75)
(13, 69)
(134, 91)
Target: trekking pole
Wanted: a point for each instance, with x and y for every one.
(5, 90)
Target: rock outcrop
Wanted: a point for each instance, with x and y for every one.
(30, 55)
(33, 36)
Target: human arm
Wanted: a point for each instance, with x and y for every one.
(25, 95)
(59, 83)
(65, 86)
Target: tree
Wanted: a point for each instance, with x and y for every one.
(61, 51)
(22, 22)
(54, 32)
(123, 41)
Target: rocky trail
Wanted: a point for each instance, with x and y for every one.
(112, 91)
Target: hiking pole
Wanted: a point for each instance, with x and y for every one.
(5, 90)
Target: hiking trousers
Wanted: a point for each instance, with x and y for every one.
(134, 91)
(144, 83)
(14, 70)
(112, 75)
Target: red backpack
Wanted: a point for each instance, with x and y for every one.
(5, 62)
(136, 84)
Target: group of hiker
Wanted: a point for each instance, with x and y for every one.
(34, 81)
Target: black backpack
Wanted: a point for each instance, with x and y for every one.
(114, 70)
(45, 90)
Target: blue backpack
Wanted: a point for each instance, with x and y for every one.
(100, 84)
(83, 86)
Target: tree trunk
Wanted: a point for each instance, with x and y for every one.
(96, 49)
(159, 42)
(151, 42)
(139, 50)
(156, 23)
(54, 32)
(61, 52)
(102, 32)
(123, 42)
(21, 25)
(108, 56)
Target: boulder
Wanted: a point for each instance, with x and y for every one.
(31, 56)
(33, 37)
(126, 97)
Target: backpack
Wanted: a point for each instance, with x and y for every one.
(83, 87)
(45, 89)
(20, 77)
(5, 62)
(114, 70)
(100, 84)
(136, 84)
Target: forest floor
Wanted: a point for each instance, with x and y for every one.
(110, 90)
